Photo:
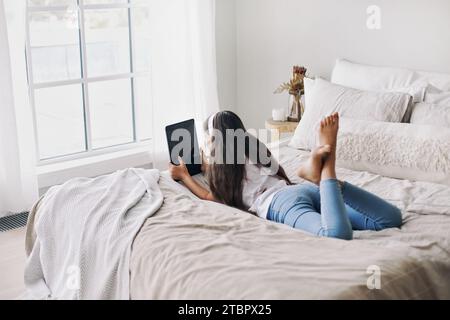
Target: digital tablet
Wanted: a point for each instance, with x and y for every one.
(182, 142)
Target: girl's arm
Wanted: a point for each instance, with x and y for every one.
(181, 173)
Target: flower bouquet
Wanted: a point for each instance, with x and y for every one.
(295, 87)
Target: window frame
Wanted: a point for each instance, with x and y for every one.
(85, 80)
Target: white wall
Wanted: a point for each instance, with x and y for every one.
(226, 53)
(273, 35)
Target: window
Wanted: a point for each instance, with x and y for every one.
(89, 76)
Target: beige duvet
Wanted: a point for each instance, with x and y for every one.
(194, 249)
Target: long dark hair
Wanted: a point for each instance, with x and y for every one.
(225, 178)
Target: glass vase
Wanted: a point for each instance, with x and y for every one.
(295, 110)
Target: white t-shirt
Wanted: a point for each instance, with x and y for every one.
(260, 186)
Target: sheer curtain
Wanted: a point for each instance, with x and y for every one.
(184, 79)
(18, 183)
(184, 86)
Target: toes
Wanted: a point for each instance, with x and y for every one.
(329, 120)
(336, 117)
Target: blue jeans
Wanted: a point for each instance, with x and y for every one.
(333, 210)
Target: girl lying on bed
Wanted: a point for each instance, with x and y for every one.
(325, 207)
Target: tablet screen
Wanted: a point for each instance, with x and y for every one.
(182, 142)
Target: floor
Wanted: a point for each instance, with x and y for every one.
(12, 262)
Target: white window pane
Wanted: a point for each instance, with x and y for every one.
(111, 113)
(51, 2)
(143, 102)
(107, 42)
(55, 49)
(60, 121)
(140, 18)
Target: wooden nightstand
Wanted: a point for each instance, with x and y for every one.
(279, 127)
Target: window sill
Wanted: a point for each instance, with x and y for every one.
(58, 173)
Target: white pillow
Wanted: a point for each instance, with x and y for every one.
(440, 81)
(435, 110)
(431, 114)
(323, 98)
(373, 78)
(437, 96)
(309, 86)
(416, 91)
(384, 79)
(396, 150)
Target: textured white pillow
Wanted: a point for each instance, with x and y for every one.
(323, 98)
(397, 150)
(431, 114)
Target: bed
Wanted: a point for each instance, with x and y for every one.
(193, 249)
(198, 250)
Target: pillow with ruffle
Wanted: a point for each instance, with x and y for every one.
(396, 150)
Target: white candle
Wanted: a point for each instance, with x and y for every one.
(279, 115)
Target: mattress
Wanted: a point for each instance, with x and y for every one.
(193, 249)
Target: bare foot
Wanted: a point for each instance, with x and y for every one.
(312, 169)
(328, 131)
